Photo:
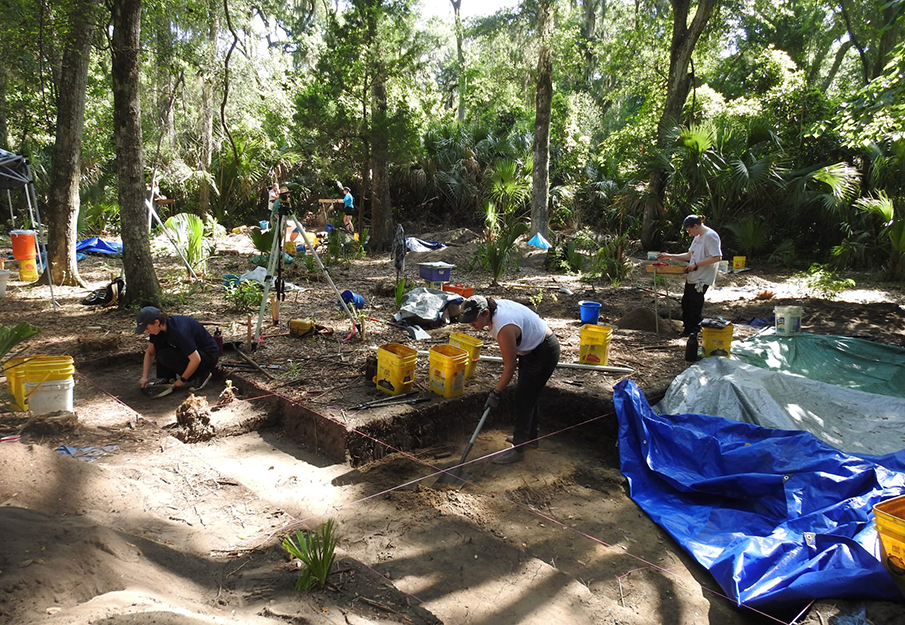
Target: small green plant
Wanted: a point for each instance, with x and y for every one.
(261, 239)
(500, 235)
(536, 299)
(316, 550)
(293, 369)
(823, 281)
(402, 287)
(611, 261)
(244, 296)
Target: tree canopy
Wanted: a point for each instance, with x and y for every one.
(649, 110)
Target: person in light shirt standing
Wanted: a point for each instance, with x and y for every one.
(703, 258)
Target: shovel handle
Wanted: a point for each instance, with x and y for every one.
(474, 436)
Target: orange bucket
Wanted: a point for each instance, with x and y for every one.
(23, 244)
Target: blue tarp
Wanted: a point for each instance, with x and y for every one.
(777, 517)
(93, 245)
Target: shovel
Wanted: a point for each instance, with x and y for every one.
(455, 475)
(415, 332)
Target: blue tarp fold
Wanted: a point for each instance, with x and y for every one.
(778, 517)
(93, 245)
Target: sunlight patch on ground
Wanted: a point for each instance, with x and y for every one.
(866, 296)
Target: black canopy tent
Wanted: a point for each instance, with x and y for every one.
(15, 173)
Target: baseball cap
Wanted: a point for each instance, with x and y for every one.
(148, 314)
(472, 307)
(691, 220)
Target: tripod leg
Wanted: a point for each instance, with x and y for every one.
(327, 275)
(275, 248)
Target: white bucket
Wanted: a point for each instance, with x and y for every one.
(723, 266)
(50, 396)
(788, 320)
(4, 278)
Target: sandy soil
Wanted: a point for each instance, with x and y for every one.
(139, 526)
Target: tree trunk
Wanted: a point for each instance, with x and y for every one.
(142, 286)
(540, 183)
(63, 195)
(382, 232)
(678, 83)
(4, 129)
(460, 52)
(207, 107)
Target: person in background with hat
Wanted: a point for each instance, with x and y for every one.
(526, 342)
(183, 349)
(703, 259)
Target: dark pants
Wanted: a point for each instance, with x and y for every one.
(172, 362)
(534, 369)
(692, 308)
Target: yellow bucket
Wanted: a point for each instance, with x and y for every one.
(717, 342)
(289, 247)
(470, 345)
(738, 262)
(395, 368)
(15, 381)
(447, 370)
(28, 270)
(40, 369)
(889, 517)
(595, 344)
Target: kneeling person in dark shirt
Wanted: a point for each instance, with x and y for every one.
(183, 349)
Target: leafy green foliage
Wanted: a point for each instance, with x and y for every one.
(261, 239)
(750, 234)
(10, 337)
(316, 550)
(822, 281)
(892, 229)
(245, 296)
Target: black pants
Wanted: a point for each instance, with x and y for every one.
(534, 369)
(692, 308)
(172, 362)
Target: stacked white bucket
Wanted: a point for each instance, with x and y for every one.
(49, 384)
(788, 320)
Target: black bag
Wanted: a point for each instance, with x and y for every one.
(107, 296)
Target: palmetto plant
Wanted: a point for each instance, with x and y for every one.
(187, 232)
(509, 189)
(750, 234)
(317, 551)
(893, 229)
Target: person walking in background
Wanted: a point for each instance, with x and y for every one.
(703, 258)
(184, 351)
(349, 210)
(526, 343)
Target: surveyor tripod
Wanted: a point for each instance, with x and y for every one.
(274, 277)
